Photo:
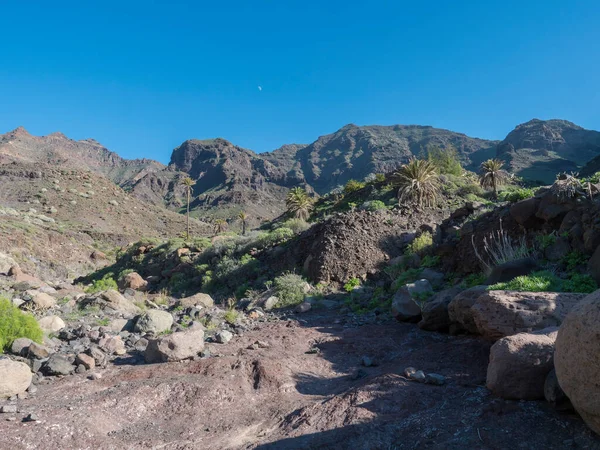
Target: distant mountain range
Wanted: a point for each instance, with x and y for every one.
(230, 178)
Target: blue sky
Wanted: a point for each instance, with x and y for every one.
(141, 77)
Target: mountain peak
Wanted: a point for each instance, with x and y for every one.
(20, 131)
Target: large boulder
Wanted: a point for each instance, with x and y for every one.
(154, 321)
(503, 313)
(6, 262)
(524, 211)
(51, 324)
(406, 302)
(511, 269)
(201, 299)
(435, 312)
(459, 310)
(41, 300)
(175, 347)
(134, 281)
(519, 364)
(112, 300)
(577, 358)
(57, 364)
(15, 377)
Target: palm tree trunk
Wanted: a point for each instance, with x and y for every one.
(495, 187)
(187, 234)
(243, 228)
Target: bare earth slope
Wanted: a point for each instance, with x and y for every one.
(253, 398)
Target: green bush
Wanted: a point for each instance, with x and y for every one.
(446, 160)
(408, 276)
(574, 259)
(545, 281)
(420, 244)
(474, 279)
(296, 225)
(351, 284)
(470, 190)
(15, 324)
(289, 288)
(353, 186)
(429, 261)
(516, 194)
(373, 205)
(582, 283)
(104, 284)
(545, 240)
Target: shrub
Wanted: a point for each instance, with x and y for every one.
(446, 160)
(470, 189)
(104, 284)
(231, 316)
(500, 249)
(353, 186)
(296, 225)
(545, 281)
(351, 284)
(420, 244)
(574, 259)
(583, 283)
(373, 205)
(474, 279)
(408, 276)
(289, 288)
(429, 261)
(15, 324)
(379, 178)
(516, 194)
(545, 240)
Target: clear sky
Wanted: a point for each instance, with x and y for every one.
(143, 76)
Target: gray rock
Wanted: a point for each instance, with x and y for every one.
(223, 336)
(554, 393)
(37, 351)
(303, 307)
(366, 361)
(51, 324)
(270, 303)
(199, 299)
(434, 277)
(406, 302)
(434, 314)
(19, 346)
(57, 365)
(558, 250)
(435, 378)
(175, 347)
(8, 409)
(459, 310)
(15, 377)
(154, 321)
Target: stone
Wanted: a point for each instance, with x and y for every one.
(303, 307)
(594, 265)
(118, 325)
(271, 303)
(112, 344)
(366, 361)
(419, 376)
(524, 210)
(554, 394)
(154, 321)
(175, 347)
(512, 269)
(31, 417)
(459, 310)
(51, 324)
(577, 359)
(558, 250)
(37, 351)
(85, 360)
(223, 337)
(8, 409)
(201, 299)
(19, 346)
(134, 281)
(409, 372)
(434, 313)
(57, 365)
(503, 313)
(41, 300)
(433, 276)
(435, 379)
(519, 364)
(6, 263)
(112, 300)
(15, 377)
(404, 306)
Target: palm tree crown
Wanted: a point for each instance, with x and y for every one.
(298, 203)
(492, 175)
(418, 183)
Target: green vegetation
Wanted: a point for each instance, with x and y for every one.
(418, 183)
(474, 279)
(445, 160)
(220, 226)
(516, 194)
(188, 183)
(492, 176)
(429, 261)
(353, 186)
(373, 205)
(231, 316)
(544, 241)
(105, 283)
(15, 324)
(296, 225)
(545, 281)
(420, 244)
(352, 284)
(574, 259)
(290, 289)
(243, 218)
(298, 203)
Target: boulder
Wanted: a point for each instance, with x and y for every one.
(519, 364)
(459, 310)
(175, 347)
(594, 265)
(19, 346)
(57, 365)
(223, 337)
(503, 313)
(15, 377)
(406, 302)
(51, 324)
(41, 300)
(524, 211)
(113, 301)
(134, 281)
(554, 393)
(112, 344)
(433, 276)
(558, 250)
(86, 360)
(37, 351)
(6, 262)
(577, 358)
(512, 269)
(201, 299)
(303, 307)
(270, 303)
(435, 312)
(118, 325)
(154, 321)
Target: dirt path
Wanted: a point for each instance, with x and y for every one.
(287, 397)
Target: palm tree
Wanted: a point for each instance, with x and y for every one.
(220, 225)
(418, 183)
(298, 203)
(188, 183)
(243, 217)
(492, 175)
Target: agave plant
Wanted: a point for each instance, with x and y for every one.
(298, 203)
(188, 183)
(418, 183)
(492, 175)
(568, 186)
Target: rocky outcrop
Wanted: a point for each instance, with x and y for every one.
(503, 313)
(519, 364)
(577, 358)
(133, 281)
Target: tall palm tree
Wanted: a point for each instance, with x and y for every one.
(492, 175)
(298, 203)
(188, 183)
(418, 183)
(243, 217)
(220, 226)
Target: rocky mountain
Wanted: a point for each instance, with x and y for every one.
(58, 150)
(539, 149)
